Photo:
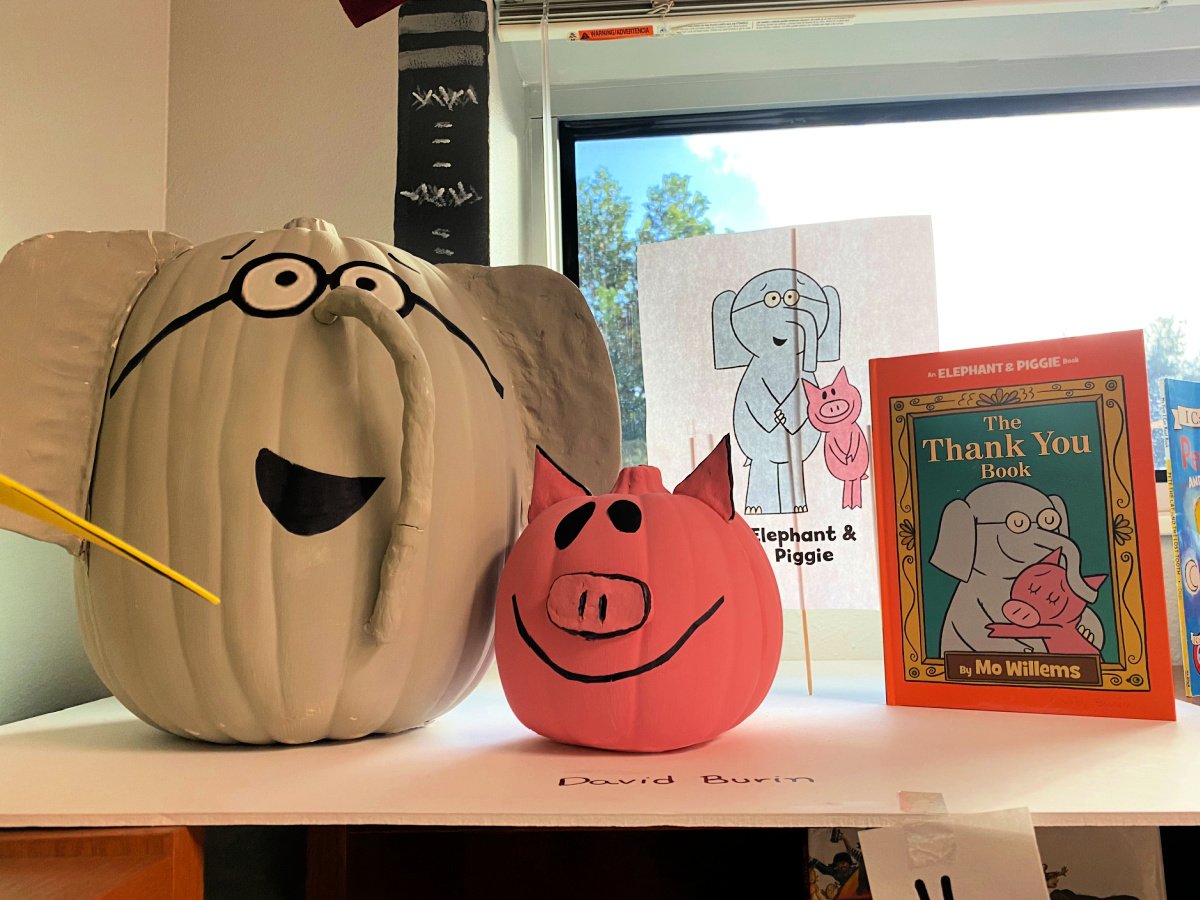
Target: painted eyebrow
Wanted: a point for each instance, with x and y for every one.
(403, 263)
(170, 328)
(239, 250)
(457, 332)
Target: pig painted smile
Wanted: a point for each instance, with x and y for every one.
(663, 657)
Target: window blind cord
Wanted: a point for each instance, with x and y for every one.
(548, 149)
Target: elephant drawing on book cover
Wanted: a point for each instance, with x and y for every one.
(777, 327)
(998, 538)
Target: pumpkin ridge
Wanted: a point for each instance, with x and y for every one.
(176, 385)
(205, 682)
(157, 699)
(214, 372)
(246, 666)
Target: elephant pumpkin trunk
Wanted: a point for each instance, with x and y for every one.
(410, 530)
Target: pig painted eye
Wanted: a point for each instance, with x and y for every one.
(1017, 522)
(791, 298)
(377, 280)
(1049, 519)
(279, 284)
(625, 516)
(772, 298)
(572, 523)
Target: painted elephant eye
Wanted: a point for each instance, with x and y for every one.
(377, 280)
(1049, 519)
(625, 516)
(572, 523)
(771, 298)
(791, 298)
(1017, 522)
(278, 284)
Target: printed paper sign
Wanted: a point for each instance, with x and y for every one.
(766, 336)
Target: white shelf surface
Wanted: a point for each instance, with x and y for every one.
(96, 764)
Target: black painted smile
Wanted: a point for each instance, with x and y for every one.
(613, 676)
(305, 501)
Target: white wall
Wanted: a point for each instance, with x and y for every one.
(83, 131)
(280, 109)
(508, 149)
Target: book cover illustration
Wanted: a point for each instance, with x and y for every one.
(766, 335)
(835, 865)
(1102, 863)
(1183, 476)
(1015, 498)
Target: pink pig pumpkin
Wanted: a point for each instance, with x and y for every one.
(639, 620)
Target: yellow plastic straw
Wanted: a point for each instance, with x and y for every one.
(31, 503)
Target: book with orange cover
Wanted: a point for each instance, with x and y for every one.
(1019, 551)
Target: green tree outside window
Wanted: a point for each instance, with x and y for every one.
(608, 276)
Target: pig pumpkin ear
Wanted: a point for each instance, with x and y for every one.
(551, 484)
(712, 481)
(1094, 581)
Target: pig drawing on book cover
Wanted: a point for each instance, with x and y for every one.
(834, 410)
(1043, 605)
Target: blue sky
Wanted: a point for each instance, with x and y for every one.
(639, 163)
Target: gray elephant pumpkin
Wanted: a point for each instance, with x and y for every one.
(778, 327)
(333, 435)
(988, 538)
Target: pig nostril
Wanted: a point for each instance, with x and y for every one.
(603, 607)
(582, 603)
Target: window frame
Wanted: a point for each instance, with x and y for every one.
(572, 131)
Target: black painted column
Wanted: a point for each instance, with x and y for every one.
(442, 153)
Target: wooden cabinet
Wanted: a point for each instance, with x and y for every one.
(108, 863)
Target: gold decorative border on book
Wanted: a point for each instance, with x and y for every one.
(1131, 673)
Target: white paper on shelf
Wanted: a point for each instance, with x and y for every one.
(979, 856)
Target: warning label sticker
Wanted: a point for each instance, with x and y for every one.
(612, 34)
(820, 21)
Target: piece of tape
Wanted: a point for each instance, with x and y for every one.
(929, 834)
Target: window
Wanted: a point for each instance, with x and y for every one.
(1052, 215)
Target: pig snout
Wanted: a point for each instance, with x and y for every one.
(833, 410)
(1021, 613)
(598, 606)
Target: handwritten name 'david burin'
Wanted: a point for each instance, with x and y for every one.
(580, 780)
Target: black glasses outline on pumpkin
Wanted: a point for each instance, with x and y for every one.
(298, 281)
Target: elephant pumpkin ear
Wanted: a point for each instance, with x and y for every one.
(64, 299)
(558, 365)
